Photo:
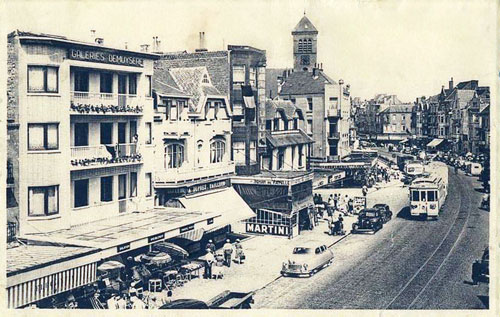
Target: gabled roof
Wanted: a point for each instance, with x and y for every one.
(403, 108)
(189, 80)
(304, 83)
(168, 87)
(284, 107)
(305, 25)
(287, 138)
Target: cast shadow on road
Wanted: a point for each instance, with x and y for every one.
(404, 213)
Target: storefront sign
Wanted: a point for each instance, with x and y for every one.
(359, 203)
(187, 228)
(208, 186)
(123, 247)
(275, 230)
(105, 57)
(273, 181)
(156, 237)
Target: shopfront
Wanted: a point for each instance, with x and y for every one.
(282, 202)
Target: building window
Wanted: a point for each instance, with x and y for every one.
(133, 184)
(81, 81)
(106, 83)
(149, 133)
(309, 126)
(268, 125)
(301, 154)
(149, 184)
(81, 134)
(205, 79)
(81, 193)
(281, 158)
(107, 188)
(43, 201)
(174, 155)
(308, 47)
(132, 84)
(276, 124)
(310, 104)
(295, 123)
(122, 186)
(252, 76)
(43, 79)
(217, 151)
(43, 136)
(239, 74)
(149, 86)
(301, 47)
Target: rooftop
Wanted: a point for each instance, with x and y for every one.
(304, 25)
(286, 138)
(303, 83)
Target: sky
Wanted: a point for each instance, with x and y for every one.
(407, 48)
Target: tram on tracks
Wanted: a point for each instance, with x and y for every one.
(428, 193)
(414, 168)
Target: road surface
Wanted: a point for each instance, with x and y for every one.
(409, 264)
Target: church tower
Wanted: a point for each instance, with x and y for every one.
(304, 45)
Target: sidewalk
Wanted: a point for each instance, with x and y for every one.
(265, 253)
(264, 257)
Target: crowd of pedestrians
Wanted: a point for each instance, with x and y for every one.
(215, 261)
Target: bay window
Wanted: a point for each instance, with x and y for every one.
(43, 201)
(43, 79)
(43, 136)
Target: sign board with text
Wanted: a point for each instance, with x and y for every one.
(275, 230)
(98, 56)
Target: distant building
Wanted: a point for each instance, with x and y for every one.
(397, 123)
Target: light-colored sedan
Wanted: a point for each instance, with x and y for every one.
(307, 260)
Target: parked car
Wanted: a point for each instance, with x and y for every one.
(307, 260)
(369, 220)
(481, 268)
(225, 300)
(385, 212)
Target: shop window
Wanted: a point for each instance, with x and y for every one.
(133, 184)
(174, 155)
(43, 136)
(107, 188)
(122, 186)
(43, 201)
(149, 184)
(217, 151)
(81, 193)
(149, 133)
(81, 81)
(43, 79)
(132, 84)
(106, 83)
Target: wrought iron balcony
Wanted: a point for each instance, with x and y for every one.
(96, 103)
(104, 154)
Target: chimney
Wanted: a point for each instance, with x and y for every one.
(92, 35)
(144, 47)
(202, 47)
(156, 45)
(99, 41)
(450, 83)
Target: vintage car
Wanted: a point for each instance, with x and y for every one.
(369, 220)
(481, 268)
(307, 260)
(385, 211)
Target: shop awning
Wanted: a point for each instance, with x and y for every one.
(435, 142)
(287, 138)
(226, 201)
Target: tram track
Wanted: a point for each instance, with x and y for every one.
(420, 280)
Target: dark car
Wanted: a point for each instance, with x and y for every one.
(385, 212)
(185, 304)
(369, 220)
(481, 268)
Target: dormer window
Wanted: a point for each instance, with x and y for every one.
(205, 79)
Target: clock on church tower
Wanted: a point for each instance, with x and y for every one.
(305, 60)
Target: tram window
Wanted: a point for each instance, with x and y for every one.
(415, 196)
(431, 195)
(424, 194)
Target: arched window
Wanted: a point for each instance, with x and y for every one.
(174, 155)
(217, 151)
(309, 46)
(301, 47)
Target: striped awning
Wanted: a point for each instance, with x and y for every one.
(31, 291)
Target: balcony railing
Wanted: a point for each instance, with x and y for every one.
(333, 113)
(334, 135)
(164, 178)
(104, 154)
(93, 103)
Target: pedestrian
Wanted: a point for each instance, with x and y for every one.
(122, 302)
(336, 201)
(364, 190)
(350, 206)
(137, 303)
(228, 251)
(240, 256)
(210, 246)
(112, 302)
(209, 261)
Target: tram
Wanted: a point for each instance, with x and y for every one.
(414, 168)
(428, 193)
